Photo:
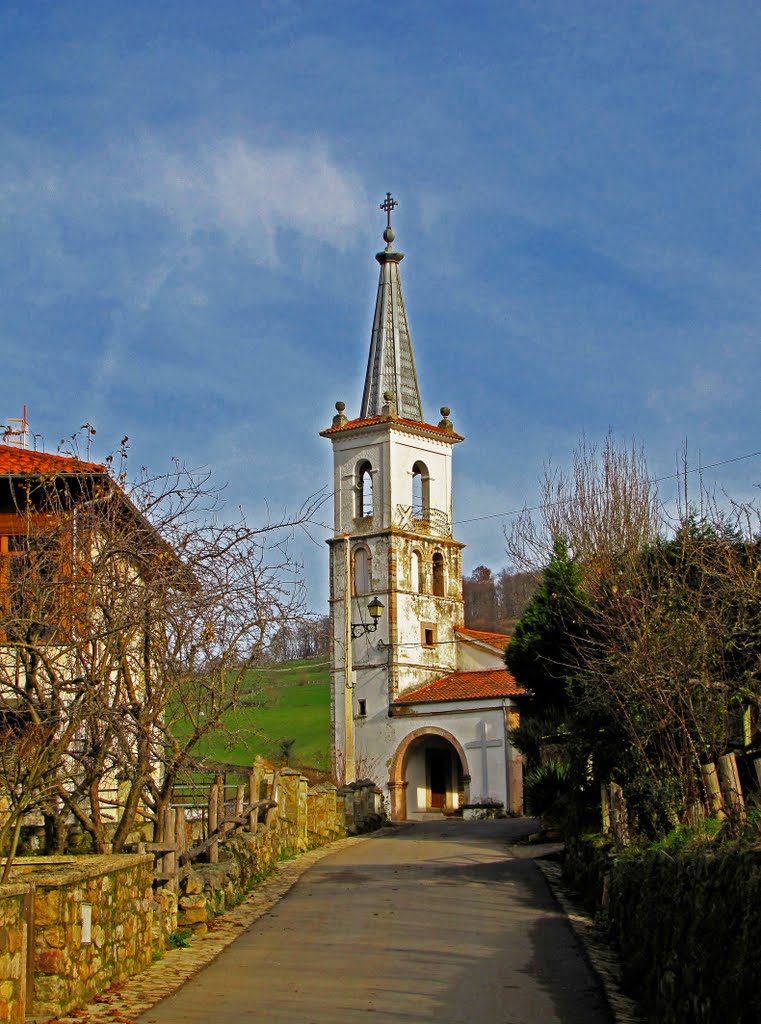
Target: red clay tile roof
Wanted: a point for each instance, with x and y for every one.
(370, 421)
(498, 640)
(22, 462)
(465, 686)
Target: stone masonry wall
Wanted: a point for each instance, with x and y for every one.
(128, 921)
(13, 953)
(68, 970)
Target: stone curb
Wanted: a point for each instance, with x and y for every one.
(125, 1002)
(601, 957)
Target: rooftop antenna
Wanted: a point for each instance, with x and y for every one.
(17, 431)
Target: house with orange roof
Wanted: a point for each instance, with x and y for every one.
(67, 630)
(420, 703)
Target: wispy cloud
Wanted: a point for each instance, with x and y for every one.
(143, 228)
(252, 194)
(247, 195)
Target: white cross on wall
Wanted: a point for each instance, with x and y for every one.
(482, 744)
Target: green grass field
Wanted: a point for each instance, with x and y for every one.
(289, 701)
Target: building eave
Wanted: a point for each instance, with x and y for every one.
(397, 423)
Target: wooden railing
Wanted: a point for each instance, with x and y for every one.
(174, 853)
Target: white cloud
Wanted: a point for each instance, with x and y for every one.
(143, 223)
(248, 195)
(251, 194)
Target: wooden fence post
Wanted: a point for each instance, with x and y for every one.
(712, 789)
(169, 857)
(696, 813)
(221, 804)
(729, 778)
(253, 797)
(605, 808)
(619, 815)
(181, 832)
(213, 822)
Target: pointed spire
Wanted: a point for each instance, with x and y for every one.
(391, 366)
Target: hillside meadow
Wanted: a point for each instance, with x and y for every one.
(279, 702)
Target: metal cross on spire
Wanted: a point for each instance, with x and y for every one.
(387, 206)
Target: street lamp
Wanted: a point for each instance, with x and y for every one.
(375, 607)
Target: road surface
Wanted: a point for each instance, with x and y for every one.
(435, 922)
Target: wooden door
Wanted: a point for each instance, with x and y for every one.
(439, 774)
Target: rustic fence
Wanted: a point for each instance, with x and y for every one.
(186, 839)
(723, 796)
(281, 802)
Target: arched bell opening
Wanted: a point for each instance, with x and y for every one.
(421, 492)
(363, 485)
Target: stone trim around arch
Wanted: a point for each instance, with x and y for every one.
(397, 783)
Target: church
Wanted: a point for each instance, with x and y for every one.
(420, 704)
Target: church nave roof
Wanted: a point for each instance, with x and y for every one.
(465, 686)
(498, 641)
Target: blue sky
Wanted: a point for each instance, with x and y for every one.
(189, 213)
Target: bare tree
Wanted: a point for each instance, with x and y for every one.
(514, 590)
(604, 508)
(130, 615)
(480, 599)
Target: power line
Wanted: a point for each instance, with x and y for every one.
(565, 501)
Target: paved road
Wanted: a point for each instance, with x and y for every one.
(436, 922)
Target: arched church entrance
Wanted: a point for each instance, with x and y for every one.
(429, 774)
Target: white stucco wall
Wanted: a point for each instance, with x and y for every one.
(391, 452)
(473, 658)
(378, 738)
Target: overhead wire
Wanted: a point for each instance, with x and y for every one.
(566, 501)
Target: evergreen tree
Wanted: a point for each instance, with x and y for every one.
(544, 651)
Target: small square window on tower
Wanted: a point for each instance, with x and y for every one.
(428, 634)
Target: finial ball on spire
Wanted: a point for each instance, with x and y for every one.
(340, 420)
(445, 423)
(388, 235)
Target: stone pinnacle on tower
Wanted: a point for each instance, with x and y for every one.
(391, 366)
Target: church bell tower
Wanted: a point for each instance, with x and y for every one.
(395, 568)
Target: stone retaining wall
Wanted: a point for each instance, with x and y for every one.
(92, 927)
(13, 934)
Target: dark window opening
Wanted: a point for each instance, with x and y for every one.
(362, 708)
(364, 487)
(421, 504)
(428, 634)
(438, 574)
